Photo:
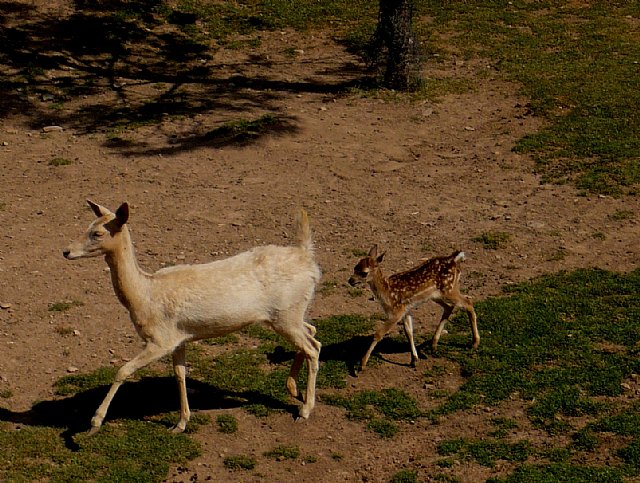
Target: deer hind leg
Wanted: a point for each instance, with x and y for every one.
(467, 304)
(447, 311)
(408, 330)
(383, 330)
(179, 360)
(297, 364)
(292, 326)
(150, 353)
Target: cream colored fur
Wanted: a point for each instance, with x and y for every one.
(270, 284)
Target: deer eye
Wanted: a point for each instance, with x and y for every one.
(96, 235)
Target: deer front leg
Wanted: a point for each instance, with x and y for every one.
(149, 354)
(179, 360)
(379, 334)
(408, 331)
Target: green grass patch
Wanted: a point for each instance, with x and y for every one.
(379, 409)
(486, 452)
(548, 343)
(60, 162)
(243, 373)
(227, 424)
(503, 426)
(127, 451)
(339, 351)
(283, 452)
(622, 215)
(78, 383)
(223, 21)
(64, 306)
(493, 240)
(404, 476)
(577, 64)
(561, 473)
(171, 419)
(239, 462)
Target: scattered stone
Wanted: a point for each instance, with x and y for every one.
(5, 306)
(72, 369)
(47, 129)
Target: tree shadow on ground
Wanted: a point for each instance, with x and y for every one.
(110, 64)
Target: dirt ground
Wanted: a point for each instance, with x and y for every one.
(417, 178)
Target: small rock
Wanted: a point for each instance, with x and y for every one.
(469, 128)
(76, 332)
(52, 129)
(72, 369)
(5, 306)
(5, 143)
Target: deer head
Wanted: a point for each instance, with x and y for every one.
(101, 236)
(366, 266)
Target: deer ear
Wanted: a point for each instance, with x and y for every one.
(122, 214)
(97, 209)
(379, 259)
(373, 253)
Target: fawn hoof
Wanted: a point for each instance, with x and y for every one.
(178, 428)
(93, 431)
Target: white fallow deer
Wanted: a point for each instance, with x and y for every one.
(175, 305)
(436, 279)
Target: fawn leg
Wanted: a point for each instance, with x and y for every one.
(447, 311)
(379, 334)
(408, 330)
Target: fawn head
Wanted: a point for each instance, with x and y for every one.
(101, 236)
(365, 267)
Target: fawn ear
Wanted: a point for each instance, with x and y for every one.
(97, 209)
(122, 214)
(373, 253)
(379, 259)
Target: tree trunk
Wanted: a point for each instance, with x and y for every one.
(394, 36)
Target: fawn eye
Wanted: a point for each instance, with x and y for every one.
(96, 235)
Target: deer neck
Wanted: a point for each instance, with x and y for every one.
(129, 281)
(380, 288)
